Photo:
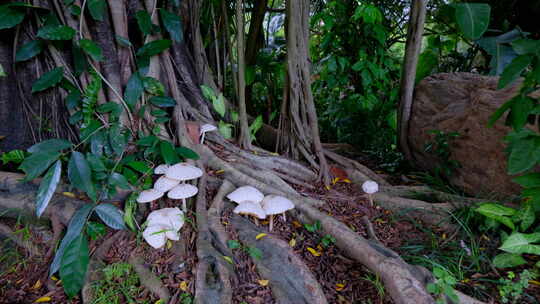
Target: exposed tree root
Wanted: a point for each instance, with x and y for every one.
(19, 240)
(148, 279)
(214, 218)
(290, 279)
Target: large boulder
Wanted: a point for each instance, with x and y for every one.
(463, 103)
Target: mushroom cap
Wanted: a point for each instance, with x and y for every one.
(250, 208)
(172, 235)
(170, 217)
(183, 171)
(246, 193)
(161, 169)
(275, 204)
(370, 187)
(207, 128)
(155, 235)
(182, 191)
(165, 184)
(149, 195)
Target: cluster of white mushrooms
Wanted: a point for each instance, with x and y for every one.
(252, 202)
(163, 224)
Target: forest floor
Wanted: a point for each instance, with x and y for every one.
(23, 279)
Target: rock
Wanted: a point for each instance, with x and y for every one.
(463, 103)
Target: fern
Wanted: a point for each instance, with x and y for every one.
(90, 98)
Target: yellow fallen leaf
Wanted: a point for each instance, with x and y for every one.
(296, 224)
(220, 171)
(265, 222)
(320, 248)
(444, 236)
(228, 259)
(485, 237)
(37, 285)
(339, 286)
(314, 252)
(274, 153)
(255, 152)
(534, 282)
(54, 278)
(292, 242)
(263, 282)
(43, 300)
(183, 286)
(169, 244)
(260, 236)
(335, 180)
(160, 301)
(69, 194)
(327, 187)
(380, 221)
(346, 180)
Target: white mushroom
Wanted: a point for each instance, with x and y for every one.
(161, 169)
(155, 235)
(206, 128)
(183, 172)
(250, 208)
(165, 184)
(275, 204)
(370, 187)
(149, 195)
(172, 217)
(182, 192)
(246, 193)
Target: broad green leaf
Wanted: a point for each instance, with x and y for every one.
(525, 216)
(508, 260)
(154, 47)
(97, 9)
(521, 109)
(187, 153)
(168, 153)
(473, 18)
(50, 145)
(528, 180)
(35, 164)
(256, 125)
(162, 101)
(80, 174)
(95, 162)
(147, 141)
(526, 46)
(48, 80)
(109, 107)
(56, 32)
(208, 92)
(10, 17)
(497, 212)
(145, 22)
(118, 140)
(500, 111)
(225, 129)
(111, 216)
(13, 156)
(74, 230)
(153, 86)
(233, 244)
(501, 53)
(139, 166)
(161, 120)
(47, 187)
(172, 24)
(514, 70)
(74, 265)
(92, 49)
(158, 113)
(524, 155)
(80, 64)
(95, 230)
(427, 62)
(123, 41)
(519, 243)
(249, 75)
(29, 50)
(2, 71)
(219, 105)
(134, 89)
(117, 179)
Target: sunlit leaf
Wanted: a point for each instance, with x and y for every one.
(313, 252)
(74, 265)
(47, 187)
(260, 236)
(48, 80)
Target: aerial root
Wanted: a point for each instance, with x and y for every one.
(148, 279)
(19, 240)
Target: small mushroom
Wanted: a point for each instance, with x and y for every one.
(155, 235)
(183, 191)
(183, 172)
(149, 195)
(206, 128)
(161, 169)
(246, 193)
(370, 187)
(173, 217)
(275, 204)
(165, 184)
(251, 208)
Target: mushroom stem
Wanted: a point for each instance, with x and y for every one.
(271, 222)
(256, 220)
(284, 217)
(184, 206)
(202, 138)
(370, 199)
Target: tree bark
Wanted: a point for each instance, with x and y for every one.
(245, 137)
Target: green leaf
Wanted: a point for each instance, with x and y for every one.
(519, 243)
(117, 179)
(208, 92)
(139, 166)
(50, 145)
(10, 17)
(219, 105)
(500, 111)
(111, 216)
(168, 153)
(497, 212)
(524, 155)
(95, 162)
(172, 24)
(233, 244)
(154, 47)
(134, 89)
(47, 187)
(80, 64)
(145, 22)
(74, 265)
(508, 260)
(530, 180)
(80, 174)
(2, 72)
(162, 101)
(74, 230)
(254, 252)
(123, 41)
(521, 109)
(29, 50)
(153, 86)
(526, 46)
(48, 80)
(158, 113)
(514, 70)
(147, 141)
(187, 153)
(14, 156)
(117, 139)
(56, 32)
(92, 49)
(97, 9)
(109, 107)
(473, 18)
(37, 163)
(249, 75)
(427, 63)
(256, 125)
(95, 230)
(525, 216)
(225, 129)
(161, 120)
